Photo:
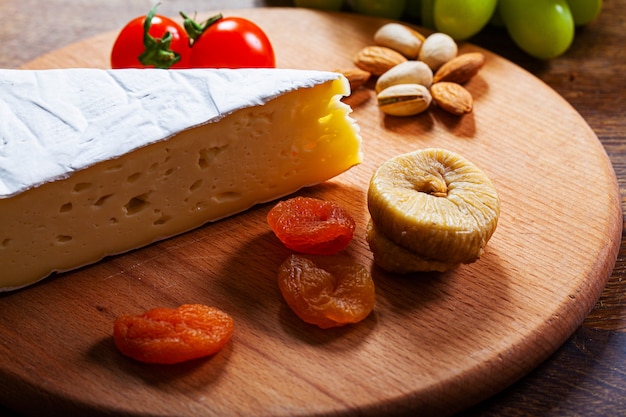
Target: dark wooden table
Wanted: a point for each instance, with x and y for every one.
(587, 375)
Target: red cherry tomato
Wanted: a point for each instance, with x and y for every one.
(232, 42)
(129, 44)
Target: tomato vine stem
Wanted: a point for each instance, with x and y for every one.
(157, 51)
(194, 29)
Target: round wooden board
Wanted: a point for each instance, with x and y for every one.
(436, 343)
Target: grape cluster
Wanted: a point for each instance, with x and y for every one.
(542, 28)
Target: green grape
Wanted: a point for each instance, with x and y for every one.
(542, 28)
(584, 11)
(320, 4)
(392, 9)
(462, 19)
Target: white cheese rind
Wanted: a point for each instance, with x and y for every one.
(165, 186)
(55, 122)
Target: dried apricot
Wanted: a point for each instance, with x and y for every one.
(310, 225)
(327, 293)
(167, 336)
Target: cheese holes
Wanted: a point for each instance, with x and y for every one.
(82, 186)
(115, 167)
(206, 156)
(65, 208)
(163, 218)
(134, 177)
(63, 238)
(227, 197)
(100, 201)
(195, 185)
(136, 204)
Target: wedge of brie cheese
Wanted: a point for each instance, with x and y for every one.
(99, 162)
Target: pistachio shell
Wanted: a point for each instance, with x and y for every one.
(404, 99)
(409, 72)
(401, 38)
(438, 49)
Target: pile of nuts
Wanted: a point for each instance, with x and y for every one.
(414, 71)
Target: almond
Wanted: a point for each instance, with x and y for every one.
(461, 68)
(452, 97)
(378, 59)
(356, 77)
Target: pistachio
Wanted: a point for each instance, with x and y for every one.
(438, 49)
(401, 38)
(404, 99)
(452, 97)
(461, 68)
(409, 72)
(377, 59)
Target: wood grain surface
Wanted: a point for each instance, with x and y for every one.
(436, 342)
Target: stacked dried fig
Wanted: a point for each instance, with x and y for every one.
(415, 71)
(431, 210)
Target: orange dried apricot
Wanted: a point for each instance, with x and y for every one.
(327, 293)
(310, 225)
(167, 336)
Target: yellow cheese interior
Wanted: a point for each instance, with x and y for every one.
(202, 174)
